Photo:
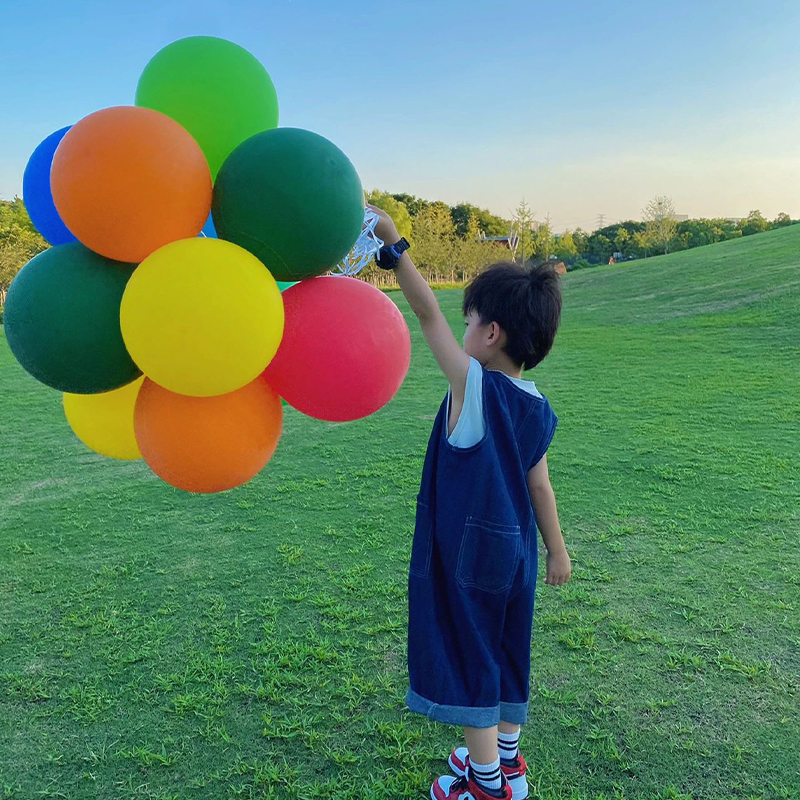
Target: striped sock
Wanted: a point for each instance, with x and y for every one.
(508, 745)
(486, 775)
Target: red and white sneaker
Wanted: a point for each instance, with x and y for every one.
(465, 788)
(515, 774)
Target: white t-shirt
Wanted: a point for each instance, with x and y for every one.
(469, 428)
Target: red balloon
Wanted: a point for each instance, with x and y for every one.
(345, 350)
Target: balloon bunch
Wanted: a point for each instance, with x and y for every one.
(158, 310)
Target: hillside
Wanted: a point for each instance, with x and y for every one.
(252, 644)
(761, 271)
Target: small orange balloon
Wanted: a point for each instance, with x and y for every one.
(208, 444)
(129, 180)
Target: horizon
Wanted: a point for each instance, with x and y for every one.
(618, 107)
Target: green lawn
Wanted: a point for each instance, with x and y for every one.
(252, 644)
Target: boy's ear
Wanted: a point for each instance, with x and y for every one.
(497, 336)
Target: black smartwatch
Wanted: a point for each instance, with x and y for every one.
(389, 255)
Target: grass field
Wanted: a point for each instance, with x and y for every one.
(252, 644)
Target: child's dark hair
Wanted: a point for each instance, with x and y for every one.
(524, 302)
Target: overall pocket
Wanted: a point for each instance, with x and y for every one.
(422, 546)
(489, 555)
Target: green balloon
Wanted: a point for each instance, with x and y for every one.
(217, 90)
(284, 285)
(291, 198)
(62, 320)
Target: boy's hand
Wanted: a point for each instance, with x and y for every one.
(385, 229)
(559, 568)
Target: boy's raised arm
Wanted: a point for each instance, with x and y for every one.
(452, 359)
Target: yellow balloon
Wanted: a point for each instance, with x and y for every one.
(104, 422)
(202, 317)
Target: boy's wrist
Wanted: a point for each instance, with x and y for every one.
(389, 255)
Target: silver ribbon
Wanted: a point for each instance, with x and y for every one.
(365, 248)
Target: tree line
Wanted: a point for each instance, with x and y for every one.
(452, 244)
(449, 242)
(657, 234)
(454, 248)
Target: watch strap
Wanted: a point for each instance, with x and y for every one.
(389, 255)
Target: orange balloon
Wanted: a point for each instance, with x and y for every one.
(208, 444)
(129, 180)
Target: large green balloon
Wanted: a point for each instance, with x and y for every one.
(293, 199)
(62, 320)
(217, 90)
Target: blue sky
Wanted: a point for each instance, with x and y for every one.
(580, 107)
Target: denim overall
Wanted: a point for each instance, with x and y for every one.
(473, 564)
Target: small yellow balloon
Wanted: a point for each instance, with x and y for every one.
(202, 317)
(104, 422)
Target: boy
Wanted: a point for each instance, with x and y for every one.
(485, 488)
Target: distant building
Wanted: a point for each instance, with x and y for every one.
(510, 241)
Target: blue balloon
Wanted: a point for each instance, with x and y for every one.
(38, 197)
(208, 229)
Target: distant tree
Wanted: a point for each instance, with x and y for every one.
(681, 241)
(580, 237)
(412, 203)
(782, 220)
(642, 244)
(490, 224)
(473, 230)
(621, 235)
(621, 240)
(543, 241)
(599, 247)
(696, 233)
(565, 247)
(434, 241)
(521, 222)
(461, 215)
(754, 222)
(14, 217)
(19, 242)
(724, 229)
(659, 216)
(471, 255)
(394, 208)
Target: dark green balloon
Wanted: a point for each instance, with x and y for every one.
(62, 320)
(291, 198)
